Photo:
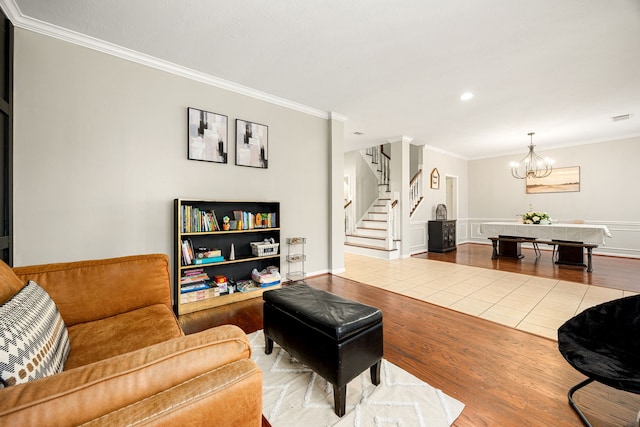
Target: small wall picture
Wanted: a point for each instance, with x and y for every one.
(208, 136)
(561, 180)
(252, 144)
(435, 179)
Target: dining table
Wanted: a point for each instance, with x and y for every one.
(585, 233)
(570, 240)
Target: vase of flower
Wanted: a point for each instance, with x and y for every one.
(534, 217)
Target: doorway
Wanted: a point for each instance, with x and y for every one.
(451, 183)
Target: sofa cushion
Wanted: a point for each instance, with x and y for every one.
(85, 291)
(126, 332)
(10, 284)
(34, 342)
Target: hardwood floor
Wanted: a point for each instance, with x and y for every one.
(505, 377)
(608, 271)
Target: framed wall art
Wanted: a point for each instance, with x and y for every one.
(435, 179)
(252, 144)
(207, 136)
(561, 180)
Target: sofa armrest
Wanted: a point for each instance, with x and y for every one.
(147, 375)
(85, 291)
(229, 396)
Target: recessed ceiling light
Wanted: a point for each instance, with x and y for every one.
(466, 96)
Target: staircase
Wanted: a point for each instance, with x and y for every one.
(373, 235)
(415, 192)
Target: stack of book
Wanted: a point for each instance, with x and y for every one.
(195, 285)
(190, 257)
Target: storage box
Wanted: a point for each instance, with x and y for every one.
(264, 249)
(199, 295)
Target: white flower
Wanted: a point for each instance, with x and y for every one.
(533, 217)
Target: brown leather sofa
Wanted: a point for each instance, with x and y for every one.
(130, 362)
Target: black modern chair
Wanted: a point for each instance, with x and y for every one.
(603, 343)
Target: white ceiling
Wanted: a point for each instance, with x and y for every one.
(397, 68)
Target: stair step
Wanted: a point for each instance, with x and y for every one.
(368, 223)
(371, 232)
(378, 242)
(363, 236)
(358, 245)
(377, 216)
(374, 223)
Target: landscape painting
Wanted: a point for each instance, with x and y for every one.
(561, 180)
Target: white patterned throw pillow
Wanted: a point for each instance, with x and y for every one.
(34, 342)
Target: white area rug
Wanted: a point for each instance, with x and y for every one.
(293, 395)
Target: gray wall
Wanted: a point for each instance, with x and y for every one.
(447, 165)
(100, 152)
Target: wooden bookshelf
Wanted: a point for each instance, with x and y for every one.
(202, 233)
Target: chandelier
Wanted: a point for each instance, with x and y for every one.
(532, 165)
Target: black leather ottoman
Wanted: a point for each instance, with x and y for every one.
(337, 338)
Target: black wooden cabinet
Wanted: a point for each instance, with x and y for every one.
(442, 236)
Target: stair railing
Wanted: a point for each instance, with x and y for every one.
(384, 168)
(374, 152)
(415, 191)
(349, 218)
(392, 221)
(382, 162)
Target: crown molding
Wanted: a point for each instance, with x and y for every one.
(11, 9)
(18, 19)
(401, 138)
(337, 116)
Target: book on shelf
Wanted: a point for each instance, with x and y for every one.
(250, 220)
(213, 252)
(202, 277)
(195, 220)
(187, 252)
(212, 221)
(194, 272)
(194, 287)
(210, 260)
(193, 279)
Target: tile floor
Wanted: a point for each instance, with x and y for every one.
(533, 304)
